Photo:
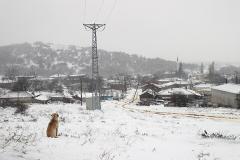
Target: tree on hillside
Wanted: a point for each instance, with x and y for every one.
(11, 72)
(21, 85)
(202, 68)
(211, 69)
(180, 72)
(56, 86)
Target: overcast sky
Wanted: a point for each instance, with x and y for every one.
(193, 30)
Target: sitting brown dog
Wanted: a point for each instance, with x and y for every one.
(52, 129)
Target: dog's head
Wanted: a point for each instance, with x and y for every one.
(55, 116)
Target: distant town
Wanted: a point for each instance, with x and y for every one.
(182, 88)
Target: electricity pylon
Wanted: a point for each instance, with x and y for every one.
(95, 73)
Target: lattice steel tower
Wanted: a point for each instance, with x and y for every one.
(95, 73)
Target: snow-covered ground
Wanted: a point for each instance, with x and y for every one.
(120, 131)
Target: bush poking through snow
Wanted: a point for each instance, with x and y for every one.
(21, 108)
(202, 156)
(205, 134)
(106, 155)
(18, 140)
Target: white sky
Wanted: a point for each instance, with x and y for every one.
(193, 30)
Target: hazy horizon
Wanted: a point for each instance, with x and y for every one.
(194, 31)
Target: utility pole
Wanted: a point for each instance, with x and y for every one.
(81, 91)
(95, 73)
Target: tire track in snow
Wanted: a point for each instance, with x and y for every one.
(189, 115)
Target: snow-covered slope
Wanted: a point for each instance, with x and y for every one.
(47, 58)
(120, 131)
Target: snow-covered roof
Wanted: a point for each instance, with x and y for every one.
(168, 84)
(42, 97)
(173, 83)
(58, 76)
(21, 94)
(231, 88)
(7, 81)
(203, 85)
(56, 95)
(77, 75)
(149, 91)
(114, 81)
(181, 91)
(41, 79)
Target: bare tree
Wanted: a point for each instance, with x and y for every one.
(11, 72)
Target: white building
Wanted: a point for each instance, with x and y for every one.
(226, 95)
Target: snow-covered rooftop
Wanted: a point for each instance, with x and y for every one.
(58, 76)
(42, 78)
(77, 75)
(231, 88)
(7, 81)
(42, 97)
(149, 91)
(181, 91)
(173, 83)
(203, 85)
(17, 95)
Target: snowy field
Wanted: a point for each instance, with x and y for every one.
(120, 131)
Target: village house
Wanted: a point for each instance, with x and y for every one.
(203, 88)
(175, 84)
(22, 78)
(59, 77)
(110, 94)
(147, 96)
(156, 87)
(76, 78)
(40, 83)
(227, 95)
(76, 82)
(43, 99)
(168, 93)
(21, 96)
(116, 85)
(151, 86)
(7, 84)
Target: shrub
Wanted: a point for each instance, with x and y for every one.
(205, 134)
(20, 107)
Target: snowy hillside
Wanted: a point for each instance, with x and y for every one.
(48, 59)
(121, 131)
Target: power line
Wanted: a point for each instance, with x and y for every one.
(99, 10)
(84, 10)
(111, 11)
